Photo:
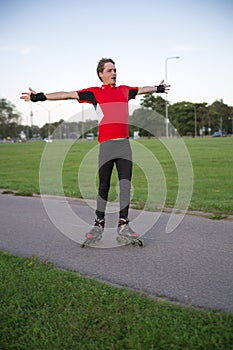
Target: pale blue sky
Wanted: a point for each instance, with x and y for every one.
(55, 45)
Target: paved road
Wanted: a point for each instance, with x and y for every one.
(192, 265)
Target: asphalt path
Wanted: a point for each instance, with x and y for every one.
(193, 264)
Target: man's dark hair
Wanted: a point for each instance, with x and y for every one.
(101, 64)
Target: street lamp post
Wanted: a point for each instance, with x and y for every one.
(83, 122)
(31, 116)
(166, 111)
(49, 116)
(195, 121)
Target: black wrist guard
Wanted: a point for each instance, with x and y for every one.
(160, 88)
(38, 97)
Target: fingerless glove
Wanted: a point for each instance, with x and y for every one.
(160, 88)
(38, 97)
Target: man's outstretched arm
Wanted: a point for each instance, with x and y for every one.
(161, 88)
(31, 95)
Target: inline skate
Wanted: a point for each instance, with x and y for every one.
(126, 235)
(95, 234)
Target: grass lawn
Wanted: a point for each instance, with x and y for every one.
(211, 160)
(44, 308)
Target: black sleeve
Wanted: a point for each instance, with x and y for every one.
(87, 96)
(133, 93)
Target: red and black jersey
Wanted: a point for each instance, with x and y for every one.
(111, 105)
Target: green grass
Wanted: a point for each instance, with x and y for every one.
(44, 308)
(212, 162)
(19, 166)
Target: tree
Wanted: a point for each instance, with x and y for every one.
(181, 115)
(221, 115)
(230, 122)
(51, 129)
(185, 116)
(9, 119)
(149, 119)
(157, 103)
(148, 122)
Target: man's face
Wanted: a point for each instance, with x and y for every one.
(108, 75)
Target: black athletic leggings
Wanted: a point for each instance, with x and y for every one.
(116, 152)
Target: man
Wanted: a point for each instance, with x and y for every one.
(111, 105)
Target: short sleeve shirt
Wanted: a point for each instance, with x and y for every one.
(111, 105)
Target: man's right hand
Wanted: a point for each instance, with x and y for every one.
(54, 96)
(26, 96)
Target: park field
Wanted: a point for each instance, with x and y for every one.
(211, 165)
(43, 307)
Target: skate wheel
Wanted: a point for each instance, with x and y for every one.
(141, 243)
(85, 243)
(118, 239)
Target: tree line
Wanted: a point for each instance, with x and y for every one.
(192, 119)
(185, 119)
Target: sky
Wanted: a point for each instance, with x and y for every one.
(56, 45)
